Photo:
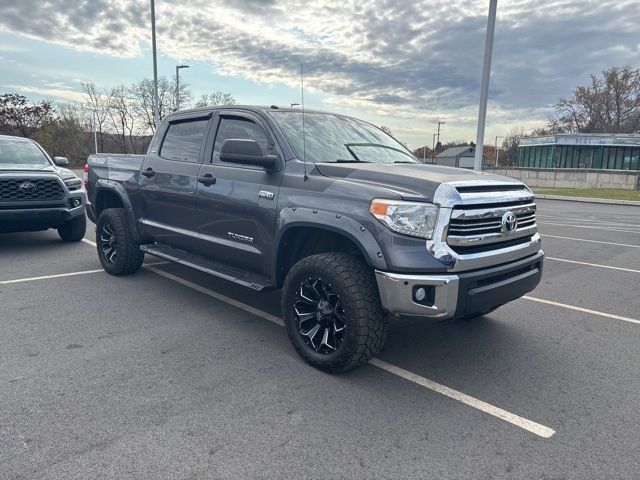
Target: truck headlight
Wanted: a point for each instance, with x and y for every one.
(417, 219)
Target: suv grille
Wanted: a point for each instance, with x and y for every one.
(479, 227)
(17, 189)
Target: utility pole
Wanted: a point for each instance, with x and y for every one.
(156, 103)
(178, 67)
(484, 89)
(433, 148)
(439, 123)
(497, 153)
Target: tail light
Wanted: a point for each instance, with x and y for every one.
(85, 175)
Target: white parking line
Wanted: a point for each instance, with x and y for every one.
(590, 241)
(69, 274)
(584, 310)
(511, 418)
(523, 423)
(47, 277)
(590, 227)
(589, 220)
(86, 240)
(592, 264)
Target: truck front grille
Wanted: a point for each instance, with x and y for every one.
(480, 228)
(41, 189)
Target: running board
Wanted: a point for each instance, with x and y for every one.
(252, 281)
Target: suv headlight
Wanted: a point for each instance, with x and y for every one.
(73, 183)
(417, 219)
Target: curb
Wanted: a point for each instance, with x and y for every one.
(606, 201)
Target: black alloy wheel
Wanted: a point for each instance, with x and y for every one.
(320, 315)
(108, 242)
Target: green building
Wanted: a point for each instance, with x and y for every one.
(583, 150)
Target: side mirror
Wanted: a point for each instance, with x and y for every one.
(246, 152)
(61, 161)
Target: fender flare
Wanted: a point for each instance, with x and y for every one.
(111, 186)
(292, 217)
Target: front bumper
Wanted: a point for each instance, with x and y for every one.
(30, 217)
(456, 295)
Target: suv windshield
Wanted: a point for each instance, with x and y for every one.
(18, 151)
(331, 138)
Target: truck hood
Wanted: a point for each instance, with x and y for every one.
(408, 180)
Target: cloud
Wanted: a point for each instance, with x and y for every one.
(398, 57)
(55, 92)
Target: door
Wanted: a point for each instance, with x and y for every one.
(168, 184)
(237, 213)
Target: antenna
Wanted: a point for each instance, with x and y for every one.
(304, 138)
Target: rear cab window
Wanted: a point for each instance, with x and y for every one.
(183, 140)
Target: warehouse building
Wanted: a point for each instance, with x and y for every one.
(462, 157)
(586, 150)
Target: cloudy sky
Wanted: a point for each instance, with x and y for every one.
(401, 63)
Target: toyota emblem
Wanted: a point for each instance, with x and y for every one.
(27, 187)
(509, 222)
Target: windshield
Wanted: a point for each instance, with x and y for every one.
(331, 138)
(18, 151)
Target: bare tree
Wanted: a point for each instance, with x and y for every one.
(216, 98)
(510, 146)
(610, 103)
(98, 104)
(121, 114)
(142, 93)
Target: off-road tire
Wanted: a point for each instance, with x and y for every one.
(129, 257)
(74, 229)
(366, 322)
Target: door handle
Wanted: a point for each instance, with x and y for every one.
(149, 172)
(207, 179)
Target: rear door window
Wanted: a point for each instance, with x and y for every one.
(183, 140)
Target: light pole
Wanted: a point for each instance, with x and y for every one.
(496, 150)
(156, 112)
(178, 67)
(484, 89)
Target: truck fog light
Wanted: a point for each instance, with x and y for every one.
(76, 202)
(420, 294)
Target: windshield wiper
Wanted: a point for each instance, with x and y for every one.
(404, 161)
(351, 160)
(377, 145)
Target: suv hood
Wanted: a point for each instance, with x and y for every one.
(409, 180)
(64, 173)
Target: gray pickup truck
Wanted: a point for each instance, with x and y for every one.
(37, 193)
(329, 208)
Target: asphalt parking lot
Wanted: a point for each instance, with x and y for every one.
(170, 373)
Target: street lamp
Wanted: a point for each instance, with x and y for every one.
(178, 67)
(484, 88)
(156, 112)
(295, 105)
(497, 155)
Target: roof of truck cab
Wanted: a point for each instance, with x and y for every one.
(252, 108)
